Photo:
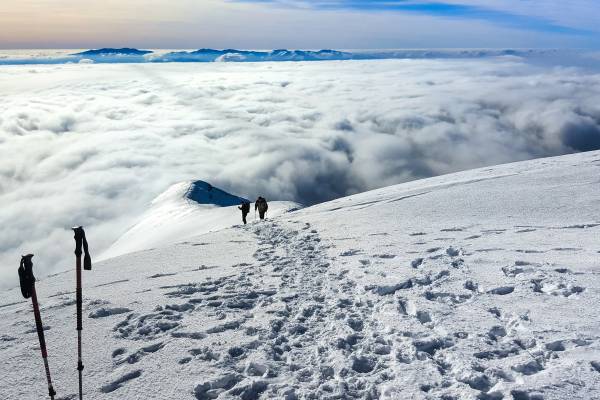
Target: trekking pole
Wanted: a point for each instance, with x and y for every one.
(27, 281)
(80, 242)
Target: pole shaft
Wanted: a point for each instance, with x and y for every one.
(38, 322)
(80, 365)
(42, 339)
(79, 323)
(50, 388)
(78, 293)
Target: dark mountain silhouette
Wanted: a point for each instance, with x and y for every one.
(114, 52)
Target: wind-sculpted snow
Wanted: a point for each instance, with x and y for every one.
(92, 145)
(477, 285)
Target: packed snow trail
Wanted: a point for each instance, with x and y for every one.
(481, 285)
(303, 342)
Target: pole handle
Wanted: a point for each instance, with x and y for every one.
(81, 243)
(26, 278)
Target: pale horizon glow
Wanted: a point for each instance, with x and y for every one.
(268, 24)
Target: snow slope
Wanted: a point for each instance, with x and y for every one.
(184, 210)
(476, 285)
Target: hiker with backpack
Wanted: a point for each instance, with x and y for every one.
(262, 207)
(245, 207)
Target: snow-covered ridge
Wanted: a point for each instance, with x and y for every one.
(130, 55)
(184, 210)
(202, 193)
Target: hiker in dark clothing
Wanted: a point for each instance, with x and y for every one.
(245, 207)
(262, 207)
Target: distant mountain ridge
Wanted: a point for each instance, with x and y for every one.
(126, 51)
(132, 55)
(212, 55)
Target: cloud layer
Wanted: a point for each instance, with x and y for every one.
(94, 144)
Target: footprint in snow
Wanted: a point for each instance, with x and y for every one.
(189, 335)
(525, 395)
(351, 252)
(528, 368)
(563, 270)
(136, 356)
(502, 290)
(447, 298)
(119, 382)
(104, 312)
(384, 256)
(148, 326)
(555, 288)
(452, 252)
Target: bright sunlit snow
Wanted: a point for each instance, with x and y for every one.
(476, 285)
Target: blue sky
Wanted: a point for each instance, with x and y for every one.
(299, 23)
(439, 9)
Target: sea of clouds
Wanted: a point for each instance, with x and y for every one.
(92, 145)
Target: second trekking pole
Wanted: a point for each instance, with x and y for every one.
(80, 242)
(28, 290)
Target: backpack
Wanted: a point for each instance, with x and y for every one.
(261, 204)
